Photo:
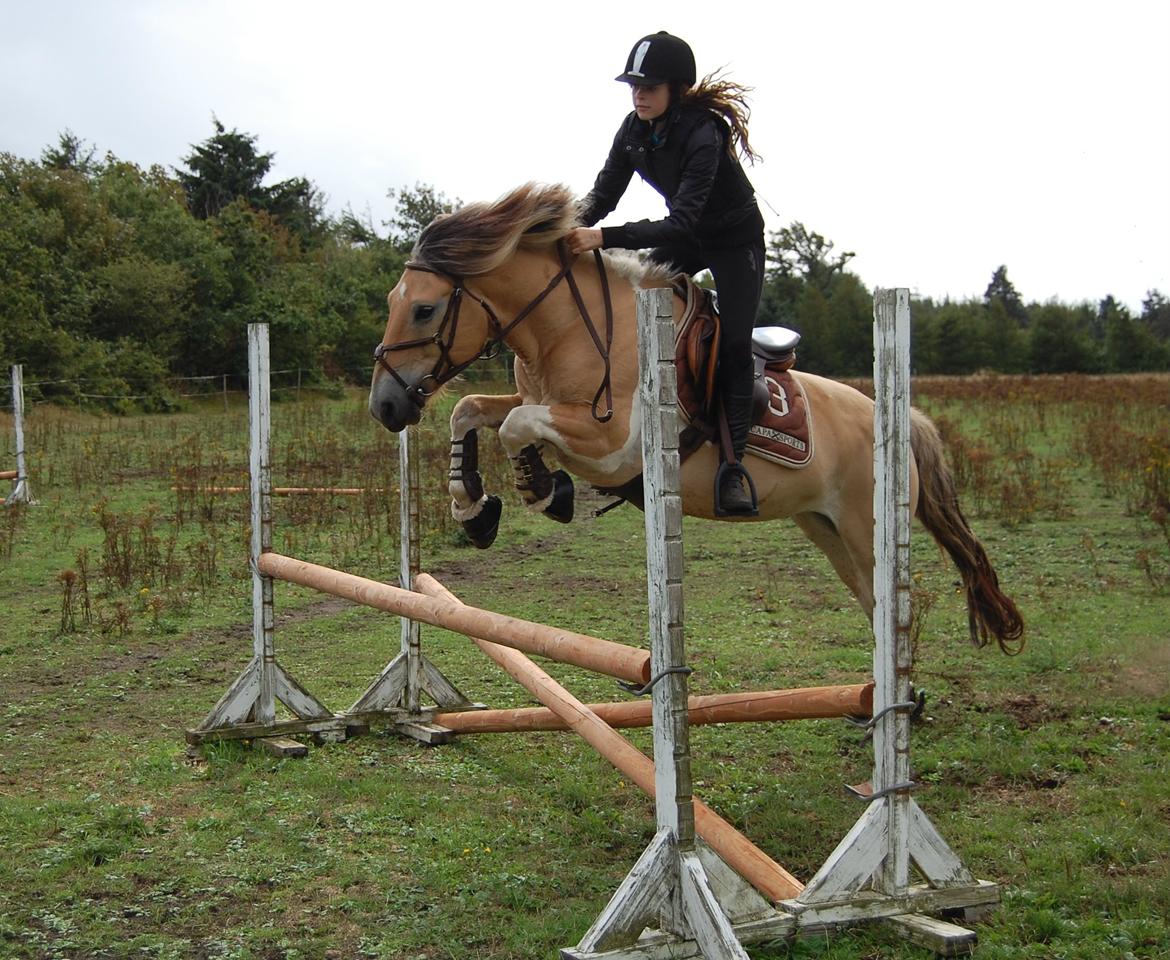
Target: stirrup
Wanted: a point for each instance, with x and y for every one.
(738, 468)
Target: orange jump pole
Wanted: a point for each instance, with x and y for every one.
(8, 474)
(743, 856)
(564, 646)
(808, 703)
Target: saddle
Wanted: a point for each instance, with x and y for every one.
(782, 426)
(781, 422)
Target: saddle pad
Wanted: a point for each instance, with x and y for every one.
(782, 433)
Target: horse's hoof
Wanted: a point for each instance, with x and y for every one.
(560, 508)
(481, 529)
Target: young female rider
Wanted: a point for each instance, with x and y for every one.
(682, 139)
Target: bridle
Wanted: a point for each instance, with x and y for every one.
(447, 368)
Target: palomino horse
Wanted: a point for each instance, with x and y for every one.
(577, 396)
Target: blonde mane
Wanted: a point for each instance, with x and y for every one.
(479, 237)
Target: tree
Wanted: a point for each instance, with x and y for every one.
(228, 167)
(851, 327)
(797, 252)
(1130, 345)
(222, 169)
(414, 210)
(1001, 292)
(1156, 315)
(71, 153)
(300, 206)
(799, 259)
(356, 231)
(1059, 343)
(960, 338)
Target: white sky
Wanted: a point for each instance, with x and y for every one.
(935, 140)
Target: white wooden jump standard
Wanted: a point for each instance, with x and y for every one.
(410, 674)
(251, 699)
(248, 708)
(868, 876)
(670, 886)
(21, 492)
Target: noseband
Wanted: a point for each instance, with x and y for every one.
(446, 368)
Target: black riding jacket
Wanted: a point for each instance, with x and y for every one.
(709, 198)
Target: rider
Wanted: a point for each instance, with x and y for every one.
(682, 139)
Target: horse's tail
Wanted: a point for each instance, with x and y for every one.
(991, 613)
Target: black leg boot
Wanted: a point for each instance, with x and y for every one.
(735, 493)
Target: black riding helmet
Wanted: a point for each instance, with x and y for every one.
(659, 58)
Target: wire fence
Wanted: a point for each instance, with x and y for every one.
(215, 385)
(207, 386)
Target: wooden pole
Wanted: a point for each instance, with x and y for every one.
(658, 398)
(408, 568)
(260, 485)
(251, 699)
(738, 851)
(810, 703)
(565, 646)
(891, 615)
(21, 492)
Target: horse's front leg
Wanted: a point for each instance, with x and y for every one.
(477, 511)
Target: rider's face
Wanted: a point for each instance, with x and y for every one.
(650, 103)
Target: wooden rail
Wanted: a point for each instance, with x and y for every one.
(564, 646)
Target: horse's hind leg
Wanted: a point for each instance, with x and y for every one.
(477, 511)
(550, 492)
(849, 550)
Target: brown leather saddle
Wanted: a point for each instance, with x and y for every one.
(781, 428)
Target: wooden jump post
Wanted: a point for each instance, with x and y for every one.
(248, 709)
(868, 875)
(700, 906)
(21, 491)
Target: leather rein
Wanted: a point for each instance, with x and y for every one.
(447, 368)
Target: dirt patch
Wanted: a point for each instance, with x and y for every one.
(1029, 711)
(1042, 790)
(1147, 674)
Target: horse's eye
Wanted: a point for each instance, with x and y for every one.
(423, 312)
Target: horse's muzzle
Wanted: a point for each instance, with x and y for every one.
(392, 407)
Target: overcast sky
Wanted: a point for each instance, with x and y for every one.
(935, 140)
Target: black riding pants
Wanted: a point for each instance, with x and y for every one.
(739, 280)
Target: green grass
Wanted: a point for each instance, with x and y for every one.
(1047, 772)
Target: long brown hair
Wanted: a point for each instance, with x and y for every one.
(729, 100)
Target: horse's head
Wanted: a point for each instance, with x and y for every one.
(429, 339)
(432, 334)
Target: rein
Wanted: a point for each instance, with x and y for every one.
(446, 368)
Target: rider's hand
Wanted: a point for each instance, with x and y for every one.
(583, 239)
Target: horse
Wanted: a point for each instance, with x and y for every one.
(577, 397)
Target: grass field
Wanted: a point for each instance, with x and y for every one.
(126, 613)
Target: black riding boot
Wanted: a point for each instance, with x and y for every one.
(735, 494)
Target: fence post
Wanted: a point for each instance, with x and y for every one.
(260, 478)
(21, 491)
